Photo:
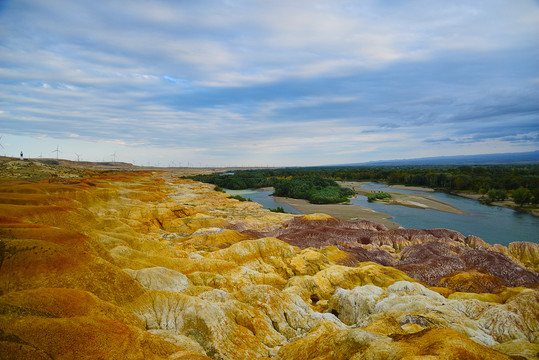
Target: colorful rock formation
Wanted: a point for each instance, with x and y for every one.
(150, 266)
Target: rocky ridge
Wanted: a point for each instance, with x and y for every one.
(149, 266)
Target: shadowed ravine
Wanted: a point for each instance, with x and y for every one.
(141, 265)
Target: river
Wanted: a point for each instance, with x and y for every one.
(263, 197)
(495, 225)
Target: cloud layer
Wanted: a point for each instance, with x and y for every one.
(270, 82)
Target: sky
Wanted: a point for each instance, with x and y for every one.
(267, 82)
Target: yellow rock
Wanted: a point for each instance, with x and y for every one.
(519, 348)
(215, 237)
(200, 320)
(65, 303)
(160, 278)
(471, 281)
(332, 344)
(317, 216)
(309, 262)
(486, 297)
(267, 255)
(32, 264)
(362, 274)
(136, 266)
(526, 253)
(80, 337)
(390, 326)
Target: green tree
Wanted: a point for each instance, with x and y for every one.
(501, 194)
(522, 195)
(496, 195)
(535, 193)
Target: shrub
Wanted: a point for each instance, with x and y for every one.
(378, 196)
(49, 162)
(240, 198)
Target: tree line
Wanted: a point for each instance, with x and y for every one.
(495, 182)
(316, 189)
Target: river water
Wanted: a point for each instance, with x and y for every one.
(495, 225)
(264, 198)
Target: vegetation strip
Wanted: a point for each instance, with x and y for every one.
(492, 183)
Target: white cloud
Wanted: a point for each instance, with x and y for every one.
(280, 77)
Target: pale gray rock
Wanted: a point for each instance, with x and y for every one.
(354, 306)
(412, 303)
(160, 278)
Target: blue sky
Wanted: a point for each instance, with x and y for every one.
(269, 82)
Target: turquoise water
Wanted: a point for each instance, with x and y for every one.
(493, 224)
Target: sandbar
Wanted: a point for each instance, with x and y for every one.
(423, 201)
(418, 201)
(346, 212)
(415, 188)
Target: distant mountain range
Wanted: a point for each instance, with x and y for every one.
(482, 159)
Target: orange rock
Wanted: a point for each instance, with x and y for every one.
(67, 303)
(335, 344)
(81, 338)
(34, 263)
(87, 265)
(215, 237)
(471, 280)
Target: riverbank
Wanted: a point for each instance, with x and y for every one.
(418, 201)
(398, 199)
(508, 204)
(346, 212)
(414, 188)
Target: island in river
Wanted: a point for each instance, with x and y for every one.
(420, 201)
(350, 212)
(346, 212)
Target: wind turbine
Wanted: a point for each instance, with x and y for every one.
(2, 145)
(56, 151)
(78, 157)
(113, 157)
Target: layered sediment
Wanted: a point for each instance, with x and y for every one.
(150, 266)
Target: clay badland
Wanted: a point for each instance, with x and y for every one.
(144, 265)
